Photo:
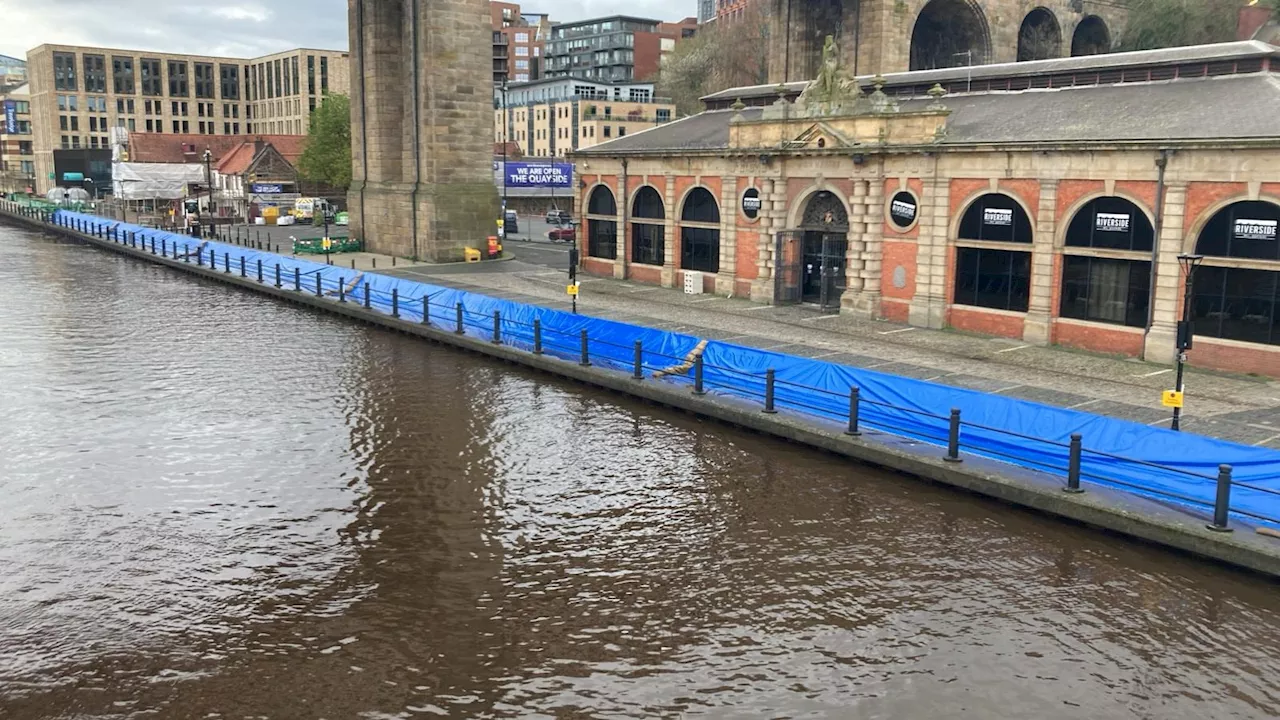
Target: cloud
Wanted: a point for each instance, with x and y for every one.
(241, 29)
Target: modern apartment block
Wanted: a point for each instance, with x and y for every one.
(613, 49)
(518, 40)
(79, 93)
(555, 116)
(17, 153)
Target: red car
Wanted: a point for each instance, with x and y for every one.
(563, 234)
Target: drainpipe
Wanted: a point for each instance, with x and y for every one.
(857, 37)
(786, 57)
(417, 130)
(626, 212)
(1162, 164)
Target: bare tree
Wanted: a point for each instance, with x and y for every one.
(724, 54)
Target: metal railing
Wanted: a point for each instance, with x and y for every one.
(641, 363)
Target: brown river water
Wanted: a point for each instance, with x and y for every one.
(213, 505)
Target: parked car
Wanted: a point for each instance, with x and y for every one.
(558, 218)
(341, 219)
(563, 234)
(511, 223)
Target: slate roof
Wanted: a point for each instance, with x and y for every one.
(1229, 107)
(168, 148)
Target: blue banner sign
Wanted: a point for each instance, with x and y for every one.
(10, 117)
(266, 188)
(539, 175)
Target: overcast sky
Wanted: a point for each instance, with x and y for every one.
(235, 28)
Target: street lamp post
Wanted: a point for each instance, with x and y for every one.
(208, 181)
(506, 137)
(1189, 263)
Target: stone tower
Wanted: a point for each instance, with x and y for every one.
(421, 127)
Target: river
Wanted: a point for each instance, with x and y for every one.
(219, 506)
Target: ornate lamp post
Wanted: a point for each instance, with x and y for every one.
(208, 180)
(1189, 263)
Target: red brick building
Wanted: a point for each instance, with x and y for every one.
(1047, 201)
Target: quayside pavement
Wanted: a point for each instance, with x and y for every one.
(1239, 408)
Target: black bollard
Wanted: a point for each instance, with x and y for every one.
(226, 262)
(953, 438)
(460, 329)
(353, 263)
(186, 254)
(366, 295)
(242, 266)
(164, 250)
(199, 257)
(395, 302)
(1073, 465)
(259, 269)
(1222, 503)
(393, 261)
(374, 260)
(638, 372)
(497, 328)
(698, 388)
(297, 280)
(769, 380)
(855, 407)
(278, 275)
(342, 290)
(319, 286)
(426, 309)
(586, 355)
(537, 336)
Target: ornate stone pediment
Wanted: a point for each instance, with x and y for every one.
(820, 136)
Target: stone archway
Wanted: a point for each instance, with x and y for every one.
(950, 33)
(1040, 36)
(1092, 37)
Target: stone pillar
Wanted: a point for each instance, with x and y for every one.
(727, 277)
(773, 211)
(1161, 341)
(873, 248)
(1039, 307)
(669, 233)
(855, 255)
(623, 208)
(422, 113)
(929, 305)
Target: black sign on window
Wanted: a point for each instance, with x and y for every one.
(751, 203)
(903, 210)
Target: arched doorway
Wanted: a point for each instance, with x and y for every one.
(648, 228)
(1106, 264)
(1040, 37)
(700, 232)
(949, 33)
(602, 224)
(1239, 298)
(824, 245)
(1092, 37)
(994, 277)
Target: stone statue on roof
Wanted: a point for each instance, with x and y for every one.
(833, 92)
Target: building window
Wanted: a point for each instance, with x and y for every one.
(95, 74)
(1239, 303)
(152, 83)
(230, 78)
(999, 279)
(522, 37)
(1111, 223)
(648, 232)
(324, 75)
(132, 125)
(178, 79)
(602, 225)
(75, 123)
(622, 131)
(75, 141)
(294, 62)
(607, 131)
(204, 80)
(311, 74)
(235, 128)
(279, 78)
(997, 218)
(176, 127)
(63, 122)
(64, 71)
(700, 232)
(1106, 290)
(522, 52)
(66, 142)
(271, 88)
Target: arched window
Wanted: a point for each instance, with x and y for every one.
(1239, 303)
(700, 232)
(602, 224)
(949, 33)
(1108, 288)
(991, 276)
(1092, 37)
(1039, 38)
(648, 231)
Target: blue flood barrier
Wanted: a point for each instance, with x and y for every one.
(1148, 461)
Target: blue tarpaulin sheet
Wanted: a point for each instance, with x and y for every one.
(1154, 462)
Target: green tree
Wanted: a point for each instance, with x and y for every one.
(724, 54)
(326, 157)
(1170, 23)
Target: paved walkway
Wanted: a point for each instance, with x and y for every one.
(1234, 407)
